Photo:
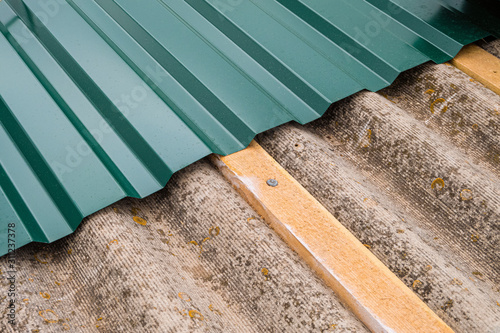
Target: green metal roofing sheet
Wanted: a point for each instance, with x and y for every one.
(103, 99)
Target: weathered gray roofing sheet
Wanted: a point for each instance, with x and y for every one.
(105, 99)
(492, 47)
(115, 275)
(414, 173)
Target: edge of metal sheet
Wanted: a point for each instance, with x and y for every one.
(100, 100)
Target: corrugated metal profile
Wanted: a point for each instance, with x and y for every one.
(105, 99)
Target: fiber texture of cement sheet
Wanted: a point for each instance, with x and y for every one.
(414, 173)
(192, 258)
(492, 47)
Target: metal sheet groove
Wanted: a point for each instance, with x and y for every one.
(100, 100)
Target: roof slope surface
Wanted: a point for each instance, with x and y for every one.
(105, 99)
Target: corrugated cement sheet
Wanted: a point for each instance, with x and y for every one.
(105, 99)
(417, 181)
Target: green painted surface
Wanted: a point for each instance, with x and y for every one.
(103, 99)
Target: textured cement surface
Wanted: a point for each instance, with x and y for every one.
(203, 262)
(378, 162)
(492, 47)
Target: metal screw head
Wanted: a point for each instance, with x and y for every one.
(272, 182)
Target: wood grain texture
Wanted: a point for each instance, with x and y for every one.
(481, 65)
(368, 287)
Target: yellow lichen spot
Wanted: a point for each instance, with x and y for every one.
(476, 273)
(214, 231)
(388, 98)
(428, 268)
(474, 238)
(334, 326)
(367, 139)
(49, 316)
(251, 218)
(66, 326)
(140, 220)
(184, 297)
(40, 261)
(447, 305)
(35, 331)
(135, 210)
(211, 308)
(196, 315)
(475, 127)
(367, 246)
(200, 245)
(26, 300)
(472, 80)
(57, 283)
(115, 209)
(113, 241)
(466, 194)
(400, 231)
(498, 304)
(429, 91)
(45, 295)
(99, 319)
(370, 203)
(265, 271)
(438, 184)
(439, 101)
(456, 281)
(70, 251)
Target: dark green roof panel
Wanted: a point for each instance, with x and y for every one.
(103, 99)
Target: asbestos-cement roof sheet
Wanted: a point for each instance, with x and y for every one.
(104, 99)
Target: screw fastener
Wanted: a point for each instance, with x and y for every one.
(272, 182)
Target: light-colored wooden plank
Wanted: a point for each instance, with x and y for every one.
(368, 287)
(479, 64)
